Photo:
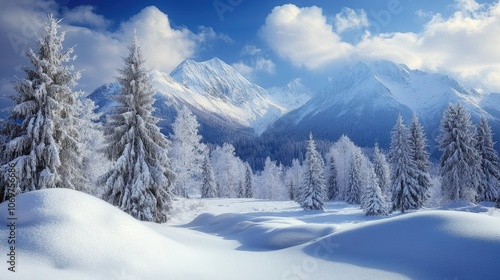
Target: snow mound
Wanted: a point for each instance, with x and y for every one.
(464, 206)
(423, 245)
(61, 230)
(260, 233)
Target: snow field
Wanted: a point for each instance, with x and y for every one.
(64, 234)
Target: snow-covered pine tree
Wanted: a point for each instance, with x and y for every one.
(42, 134)
(313, 185)
(354, 189)
(460, 163)
(373, 200)
(420, 156)
(93, 160)
(248, 181)
(405, 190)
(228, 170)
(187, 153)
(382, 171)
(241, 190)
(332, 185)
(293, 178)
(344, 151)
(490, 165)
(271, 185)
(140, 180)
(208, 186)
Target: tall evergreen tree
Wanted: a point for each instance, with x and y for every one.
(382, 171)
(42, 140)
(333, 190)
(208, 186)
(489, 187)
(248, 181)
(313, 193)
(460, 163)
(353, 191)
(405, 190)
(420, 156)
(140, 180)
(293, 179)
(187, 153)
(373, 201)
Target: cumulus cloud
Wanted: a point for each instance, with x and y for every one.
(258, 65)
(164, 47)
(303, 36)
(349, 19)
(86, 16)
(99, 50)
(250, 50)
(465, 44)
(254, 62)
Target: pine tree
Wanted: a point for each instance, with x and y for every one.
(208, 186)
(248, 181)
(187, 153)
(405, 194)
(228, 170)
(460, 163)
(293, 179)
(332, 185)
(373, 201)
(420, 156)
(271, 186)
(42, 140)
(313, 193)
(140, 179)
(382, 171)
(354, 186)
(489, 187)
(93, 160)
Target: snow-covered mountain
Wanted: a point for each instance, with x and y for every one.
(226, 104)
(364, 100)
(291, 96)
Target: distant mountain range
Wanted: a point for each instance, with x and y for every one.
(362, 102)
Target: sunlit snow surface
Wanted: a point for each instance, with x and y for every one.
(64, 234)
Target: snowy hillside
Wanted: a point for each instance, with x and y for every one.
(364, 100)
(70, 235)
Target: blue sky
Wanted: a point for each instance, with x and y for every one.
(269, 42)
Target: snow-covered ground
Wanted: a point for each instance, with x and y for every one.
(64, 234)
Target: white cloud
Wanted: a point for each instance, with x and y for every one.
(164, 47)
(250, 70)
(99, 51)
(264, 65)
(244, 69)
(349, 19)
(464, 44)
(84, 15)
(303, 36)
(250, 50)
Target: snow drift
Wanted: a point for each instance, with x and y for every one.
(61, 230)
(422, 245)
